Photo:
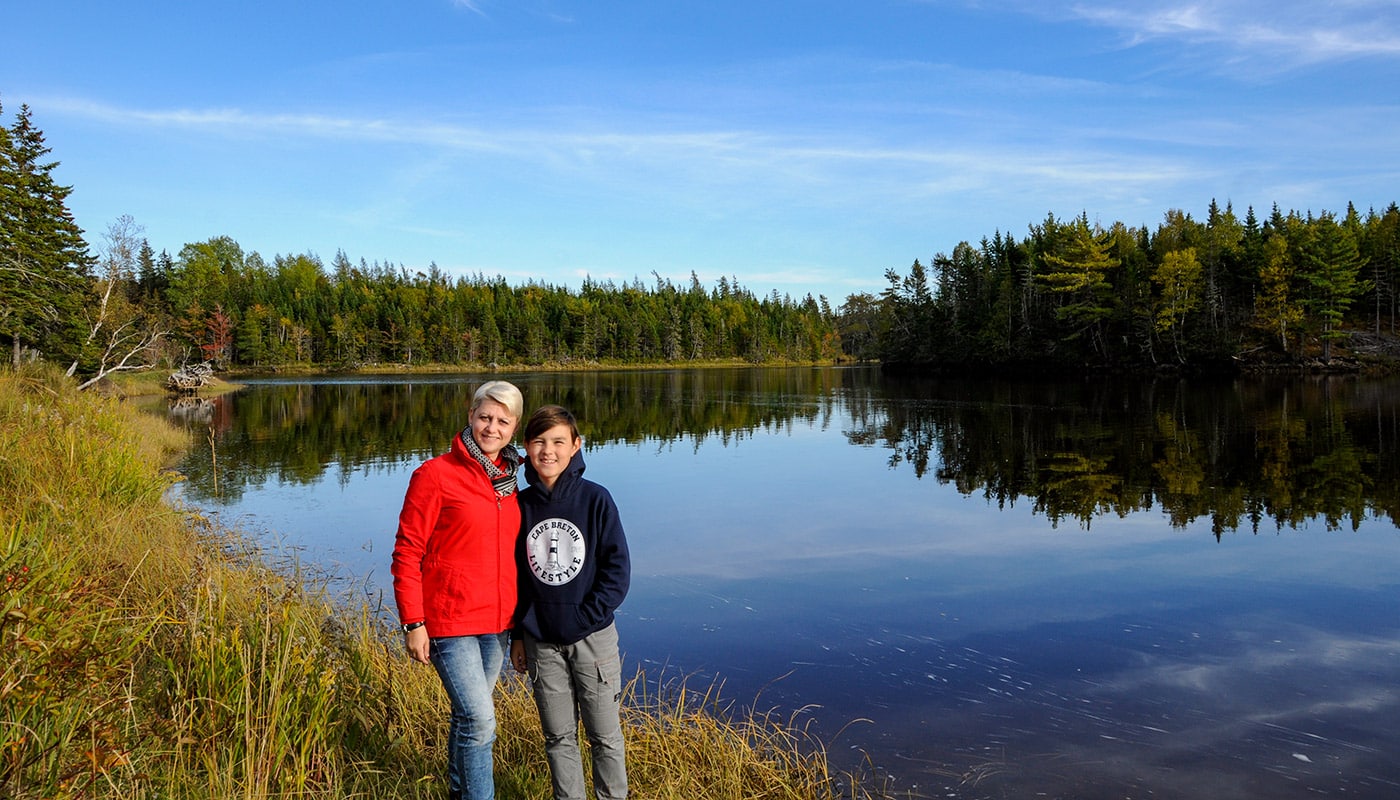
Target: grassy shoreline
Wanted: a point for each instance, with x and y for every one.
(150, 654)
(381, 368)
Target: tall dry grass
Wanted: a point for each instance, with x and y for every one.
(145, 653)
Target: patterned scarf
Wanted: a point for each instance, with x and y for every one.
(502, 479)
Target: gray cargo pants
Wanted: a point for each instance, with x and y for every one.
(580, 681)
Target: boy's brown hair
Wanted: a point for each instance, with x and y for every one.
(546, 417)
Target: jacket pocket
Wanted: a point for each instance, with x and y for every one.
(451, 593)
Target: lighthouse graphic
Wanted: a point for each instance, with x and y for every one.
(555, 551)
(552, 563)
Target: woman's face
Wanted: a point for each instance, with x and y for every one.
(492, 427)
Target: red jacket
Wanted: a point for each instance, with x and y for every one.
(454, 553)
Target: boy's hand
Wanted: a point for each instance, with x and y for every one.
(517, 656)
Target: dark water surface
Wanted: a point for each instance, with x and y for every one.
(1083, 589)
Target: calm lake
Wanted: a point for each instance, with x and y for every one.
(1078, 589)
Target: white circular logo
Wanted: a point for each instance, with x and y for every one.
(555, 551)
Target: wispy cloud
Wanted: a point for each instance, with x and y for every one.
(473, 6)
(1286, 32)
(238, 123)
(745, 168)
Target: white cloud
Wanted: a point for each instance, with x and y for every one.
(719, 159)
(1289, 33)
(471, 5)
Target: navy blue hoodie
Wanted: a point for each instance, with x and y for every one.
(572, 558)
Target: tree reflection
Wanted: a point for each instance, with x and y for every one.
(1248, 454)
(295, 432)
(1242, 453)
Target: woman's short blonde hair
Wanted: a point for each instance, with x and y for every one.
(503, 392)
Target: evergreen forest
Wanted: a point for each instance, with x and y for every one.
(1293, 288)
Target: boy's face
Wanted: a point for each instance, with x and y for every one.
(551, 451)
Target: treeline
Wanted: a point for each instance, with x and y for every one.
(121, 305)
(240, 310)
(1192, 294)
(1189, 293)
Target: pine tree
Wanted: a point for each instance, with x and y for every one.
(1332, 266)
(44, 261)
(1081, 277)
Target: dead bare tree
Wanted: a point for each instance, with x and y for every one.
(126, 349)
(190, 378)
(126, 341)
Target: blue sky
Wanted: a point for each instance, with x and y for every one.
(798, 147)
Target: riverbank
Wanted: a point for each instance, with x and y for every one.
(1365, 352)
(381, 368)
(151, 654)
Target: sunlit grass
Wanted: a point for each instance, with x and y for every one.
(146, 653)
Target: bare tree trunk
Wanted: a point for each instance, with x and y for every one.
(124, 343)
(122, 347)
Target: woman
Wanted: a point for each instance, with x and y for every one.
(454, 576)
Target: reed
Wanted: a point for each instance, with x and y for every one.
(73, 628)
(147, 653)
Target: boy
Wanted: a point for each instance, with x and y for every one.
(574, 571)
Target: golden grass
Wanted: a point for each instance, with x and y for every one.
(145, 653)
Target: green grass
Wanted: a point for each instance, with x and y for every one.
(146, 653)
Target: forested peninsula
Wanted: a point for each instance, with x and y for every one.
(1291, 290)
(1223, 294)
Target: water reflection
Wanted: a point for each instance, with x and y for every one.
(298, 430)
(1051, 587)
(1255, 453)
(1242, 454)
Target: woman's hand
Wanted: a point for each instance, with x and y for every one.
(417, 642)
(517, 656)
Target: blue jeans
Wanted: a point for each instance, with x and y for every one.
(469, 667)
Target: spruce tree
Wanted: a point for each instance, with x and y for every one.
(44, 261)
(1331, 264)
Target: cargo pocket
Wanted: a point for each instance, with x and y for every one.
(607, 666)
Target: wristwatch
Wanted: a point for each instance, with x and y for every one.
(412, 626)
